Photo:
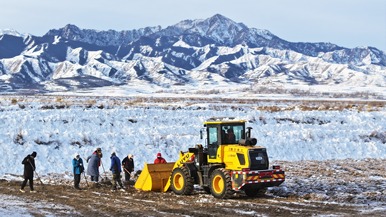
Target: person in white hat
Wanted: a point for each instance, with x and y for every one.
(128, 166)
(78, 168)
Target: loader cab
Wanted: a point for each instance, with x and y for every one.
(222, 132)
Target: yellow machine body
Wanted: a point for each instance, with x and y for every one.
(230, 161)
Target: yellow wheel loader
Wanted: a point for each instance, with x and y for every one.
(230, 162)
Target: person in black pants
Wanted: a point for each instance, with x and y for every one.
(29, 168)
(128, 166)
(78, 168)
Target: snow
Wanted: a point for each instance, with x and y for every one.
(56, 39)
(181, 43)
(143, 128)
(11, 32)
(16, 206)
(56, 134)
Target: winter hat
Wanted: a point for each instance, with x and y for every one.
(159, 154)
(33, 154)
(113, 153)
(98, 149)
(130, 156)
(76, 155)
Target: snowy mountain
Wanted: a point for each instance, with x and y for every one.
(209, 51)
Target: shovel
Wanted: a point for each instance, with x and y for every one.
(106, 179)
(85, 178)
(131, 176)
(36, 174)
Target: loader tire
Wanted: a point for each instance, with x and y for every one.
(220, 184)
(181, 181)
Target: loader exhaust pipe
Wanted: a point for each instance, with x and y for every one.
(248, 142)
(248, 134)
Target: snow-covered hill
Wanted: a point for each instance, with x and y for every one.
(57, 132)
(191, 52)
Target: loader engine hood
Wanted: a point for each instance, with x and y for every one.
(258, 159)
(238, 157)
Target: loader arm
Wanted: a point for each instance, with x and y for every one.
(184, 157)
(156, 177)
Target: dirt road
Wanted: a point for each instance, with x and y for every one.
(103, 202)
(352, 192)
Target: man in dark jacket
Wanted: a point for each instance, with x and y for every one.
(115, 168)
(77, 164)
(29, 168)
(128, 166)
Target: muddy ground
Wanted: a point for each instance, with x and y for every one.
(365, 197)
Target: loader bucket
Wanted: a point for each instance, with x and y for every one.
(154, 177)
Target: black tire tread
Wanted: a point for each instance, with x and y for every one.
(228, 184)
(189, 181)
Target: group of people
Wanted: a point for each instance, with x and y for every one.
(94, 162)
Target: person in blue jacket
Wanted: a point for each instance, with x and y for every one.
(115, 168)
(78, 168)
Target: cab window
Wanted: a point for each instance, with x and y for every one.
(231, 134)
(212, 142)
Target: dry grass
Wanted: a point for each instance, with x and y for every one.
(217, 103)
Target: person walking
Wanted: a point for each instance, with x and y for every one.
(128, 166)
(29, 168)
(94, 161)
(115, 168)
(78, 168)
(159, 159)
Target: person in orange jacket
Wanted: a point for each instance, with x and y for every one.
(159, 159)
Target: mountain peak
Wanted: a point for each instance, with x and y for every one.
(220, 18)
(71, 27)
(101, 38)
(70, 30)
(221, 21)
(218, 28)
(10, 32)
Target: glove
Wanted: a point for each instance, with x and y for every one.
(80, 164)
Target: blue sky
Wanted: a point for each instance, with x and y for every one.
(348, 23)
